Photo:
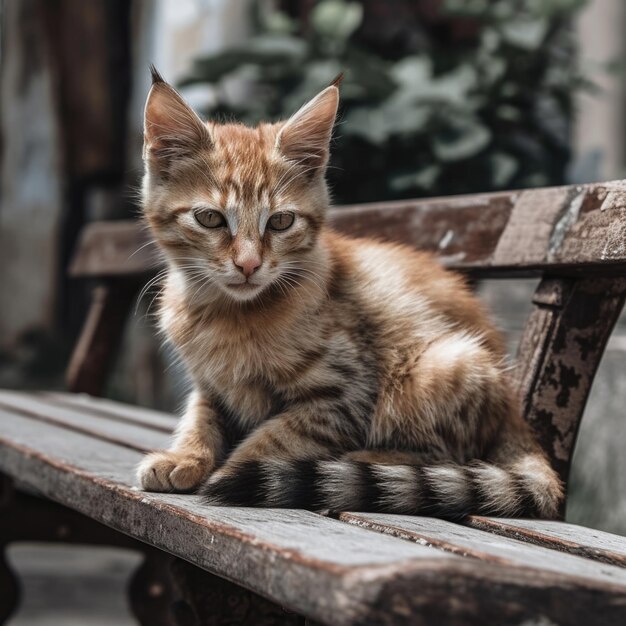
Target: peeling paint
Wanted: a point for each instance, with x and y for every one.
(615, 244)
(446, 239)
(567, 220)
(564, 346)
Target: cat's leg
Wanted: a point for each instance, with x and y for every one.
(313, 430)
(198, 447)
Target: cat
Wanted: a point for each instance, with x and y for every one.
(328, 372)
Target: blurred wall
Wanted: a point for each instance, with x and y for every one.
(600, 130)
(30, 183)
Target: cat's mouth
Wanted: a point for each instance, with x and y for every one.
(243, 291)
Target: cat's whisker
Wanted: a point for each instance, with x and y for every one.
(152, 242)
(308, 275)
(148, 285)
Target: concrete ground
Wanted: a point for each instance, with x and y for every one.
(72, 586)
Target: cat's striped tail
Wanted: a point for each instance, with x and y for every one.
(527, 487)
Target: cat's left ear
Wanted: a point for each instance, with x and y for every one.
(305, 137)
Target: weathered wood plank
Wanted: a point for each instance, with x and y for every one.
(320, 567)
(558, 356)
(485, 546)
(519, 233)
(158, 420)
(587, 542)
(109, 429)
(114, 248)
(99, 339)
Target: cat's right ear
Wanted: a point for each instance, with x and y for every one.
(171, 130)
(305, 136)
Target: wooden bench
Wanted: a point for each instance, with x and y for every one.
(68, 459)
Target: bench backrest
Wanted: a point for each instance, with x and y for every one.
(573, 237)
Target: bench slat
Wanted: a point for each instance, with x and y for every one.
(109, 429)
(572, 229)
(471, 542)
(586, 542)
(324, 568)
(158, 420)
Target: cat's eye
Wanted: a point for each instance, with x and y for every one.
(281, 221)
(209, 219)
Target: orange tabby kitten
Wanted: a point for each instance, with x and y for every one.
(328, 372)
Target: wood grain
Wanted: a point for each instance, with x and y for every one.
(587, 542)
(142, 416)
(79, 420)
(566, 230)
(477, 544)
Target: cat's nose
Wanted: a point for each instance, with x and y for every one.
(248, 265)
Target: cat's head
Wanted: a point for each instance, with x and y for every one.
(236, 209)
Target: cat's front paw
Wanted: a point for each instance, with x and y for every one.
(173, 471)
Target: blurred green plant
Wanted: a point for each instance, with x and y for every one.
(489, 111)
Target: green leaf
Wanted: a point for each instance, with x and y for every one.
(526, 34)
(508, 113)
(378, 124)
(462, 139)
(413, 71)
(266, 51)
(466, 8)
(279, 23)
(503, 168)
(316, 76)
(416, 83)
(336, 19)
(554, 8)
(367, 123)
(273, 45)
(423, 178)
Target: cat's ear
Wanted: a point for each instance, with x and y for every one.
(305, 137)
(171, 129)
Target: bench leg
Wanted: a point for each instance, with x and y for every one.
(24, 517)
(207, 600)
(10, 596)
(149, 591)
(100, 337)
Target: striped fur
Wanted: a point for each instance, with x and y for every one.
(327, 372)
(444, 490)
